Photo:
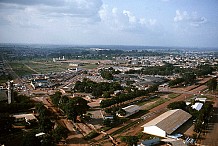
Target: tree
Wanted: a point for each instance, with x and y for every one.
(30, 139)
(121, 112)
(59, 133)
(212, 84)
(189, 77)
(45, 125)
(177, 105)
(6, 123)
(107, 75)
(76, 107)
(130, 140)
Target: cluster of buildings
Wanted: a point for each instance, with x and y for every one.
(184, 60)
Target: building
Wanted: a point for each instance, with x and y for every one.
(40, 83)
(130, 110)
(166, 123)
(150, 142)
(25, 117)
(10, 92)
(197, 106)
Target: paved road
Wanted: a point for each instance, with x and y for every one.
(211, 138)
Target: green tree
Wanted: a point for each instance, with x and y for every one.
(177, 105)
(107, 75)
(59, 133)
(189, 77)
(30, 139)
(76, 107)
(6, 123)
(130, 140)
(121, 112)
(212, 84)
(45, 125)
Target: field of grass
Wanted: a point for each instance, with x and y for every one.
(90, 66)
(158, 102)
(46, 67)
(173, 95)
(20, 69)
(31, 67)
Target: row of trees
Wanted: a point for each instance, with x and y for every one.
(21, 103)
(187, 78)
(97, 89)
(212, 84)
(127, 96)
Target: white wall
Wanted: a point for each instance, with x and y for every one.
(154, 130)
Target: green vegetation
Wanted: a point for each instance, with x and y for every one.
(124, 128)
(158, 102)
(90, 66)
(177, 105)
(4, 78)
(107, 75)
(91, 135)
(130, 140)
(20, 69)
(72, 107)
(173, 95)
(176, 81)
(212, 84)
(21, 103)
(97, 89)
(127, 96)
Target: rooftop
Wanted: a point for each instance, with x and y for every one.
(170, 120)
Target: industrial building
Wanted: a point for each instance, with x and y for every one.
(166, 123)
(132, 109)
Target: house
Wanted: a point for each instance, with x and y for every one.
(25, 117)
(130, 110)
(150, 142)
(197, 106)
(201, 99)
(40, 83)
(166, 123)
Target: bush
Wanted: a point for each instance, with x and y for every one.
(91, 135)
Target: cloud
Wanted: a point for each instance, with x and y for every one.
(193, 19)
(124, 20)
(78, 11)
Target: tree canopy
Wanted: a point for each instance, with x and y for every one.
(212, 84)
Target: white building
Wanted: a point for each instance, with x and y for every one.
(25, 117)
(132, 109)
(197, 106)
(166, 123)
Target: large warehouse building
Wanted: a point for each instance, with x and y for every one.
(166, 123)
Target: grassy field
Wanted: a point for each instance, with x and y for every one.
(173, 95)
(90, 66)
(46, 67)
(31, 67)
(20, 69)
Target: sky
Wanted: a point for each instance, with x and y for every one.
(184, 23)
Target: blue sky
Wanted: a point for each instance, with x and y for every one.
(185, 23)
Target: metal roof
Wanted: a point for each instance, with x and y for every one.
(197, 106)
(170, 120)
(131, 108)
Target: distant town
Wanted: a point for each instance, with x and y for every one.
(108, 95)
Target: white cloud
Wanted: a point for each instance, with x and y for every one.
(193, 19)
(124, 20)
(132, 18)
(27, 12)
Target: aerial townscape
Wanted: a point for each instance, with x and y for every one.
(108, 73)
(103, 96)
